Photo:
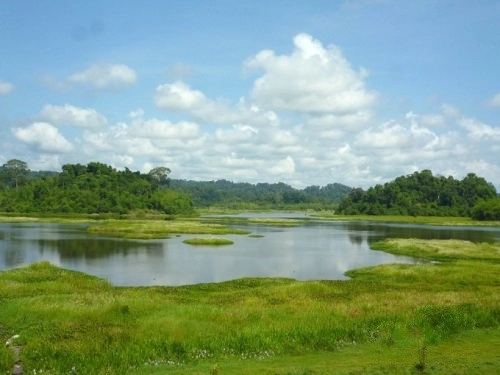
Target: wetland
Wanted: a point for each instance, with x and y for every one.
(426, 302)
(290, 245)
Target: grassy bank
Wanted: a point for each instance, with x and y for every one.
(425, 220)
(435, 318)
(440, 250)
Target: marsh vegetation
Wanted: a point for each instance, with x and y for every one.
(380, 321)
(210, 241)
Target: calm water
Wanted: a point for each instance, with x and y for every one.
(315, 250)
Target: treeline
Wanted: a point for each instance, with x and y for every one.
(99, 188)
(261, 195)
(422, 194)
(88, 189)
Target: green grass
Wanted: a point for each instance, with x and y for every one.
(148, 229)
(440, 250)
(210, 241)
(256, 220)
(432, 318)
(430, 220)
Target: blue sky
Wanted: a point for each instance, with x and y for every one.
(304, 92)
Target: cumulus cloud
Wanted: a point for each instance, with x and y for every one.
(6, 88)
(44, 136)
(494, 102)
(313, 79)
(74, 116)
(113, 77)
(180, 97)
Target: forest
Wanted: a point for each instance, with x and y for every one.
(99, 188)
(423, 194)
(88, 189)
(223, 193)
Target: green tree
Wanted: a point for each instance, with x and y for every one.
(15, 171)
(159, 176)
(487, 210)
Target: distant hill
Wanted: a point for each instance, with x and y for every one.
(227, 193)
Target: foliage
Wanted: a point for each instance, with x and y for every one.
(13, 173)
(261, 195)
(487, 210)
(420, 194)
(89, 189)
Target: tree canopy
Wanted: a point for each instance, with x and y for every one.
(13, 173)
(420, 194)
(91, 188)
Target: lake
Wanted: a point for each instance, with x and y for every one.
(311, 251)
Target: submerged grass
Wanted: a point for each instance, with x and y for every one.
(433, 318)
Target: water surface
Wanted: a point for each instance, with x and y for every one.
(314, 250)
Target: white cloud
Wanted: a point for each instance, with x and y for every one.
(238, 133)
(179, 97)
(156, 129)
(97, 142)
(494, 102)
(480, 131)
(105, 77)
(313, 79)
(70, 115)
(6, 88)
(350, 121)
(44, 136)
(283, 167)
(389, 135)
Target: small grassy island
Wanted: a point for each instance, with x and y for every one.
(209, 241)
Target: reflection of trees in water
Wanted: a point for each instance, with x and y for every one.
(355, 238)
(379, 231)
(13, 254)
(95, 248)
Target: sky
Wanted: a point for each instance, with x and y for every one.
(305, 92)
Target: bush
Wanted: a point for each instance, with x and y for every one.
(487, 210)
